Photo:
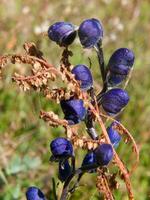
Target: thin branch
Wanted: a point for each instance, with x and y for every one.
(123, 130)
(103, 185)
(119, 163)
(100, 55)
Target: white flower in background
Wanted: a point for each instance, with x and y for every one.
(25, 10)
(41, 28)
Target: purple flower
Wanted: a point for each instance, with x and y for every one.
(114, 136)
(34, 193)
(64, 170)
(90, 160)
(73, 110)
(104, 154)
(114, 100)
(61, 149)
(115, 79)
(119, 65)
(90, 32)
(63, 33)
(83, 74)
(122, 56)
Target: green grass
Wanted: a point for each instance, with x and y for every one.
(24, 138)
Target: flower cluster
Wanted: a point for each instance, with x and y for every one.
(81, 105)
(111, 99)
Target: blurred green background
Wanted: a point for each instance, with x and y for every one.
(24, 138)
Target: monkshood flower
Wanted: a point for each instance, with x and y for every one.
(90, 160)
(34, 193)
(63, 33)
(73, 110)
(64, 170)
(104, 154)
(114, 100)
(122, 56)
(119, 65)
(113, 134)
(61, 149)
(90, 32)
(83, 74)
(115, 79)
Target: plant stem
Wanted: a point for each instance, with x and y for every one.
(79, 171)
(73, 162)
(101, 60)
(103, 71)
(89, 118)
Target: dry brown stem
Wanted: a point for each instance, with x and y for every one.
(52, 119)
(103, 185)
(117, 160)
(122, 130)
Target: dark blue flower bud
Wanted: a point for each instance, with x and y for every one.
(122, 56)
(104, 154)
(90, 160)
(114, 100)
(64, 170)
(83, 74)
(114, 136)
(34, 193)
(90, 32)
(73, 110)
(61, 149)
(63, 33)
(115, 79)
(119, 65)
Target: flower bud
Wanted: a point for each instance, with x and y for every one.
(114, 100)
(122, 56)
(63, 33)
(90, 160)
(34, 193)
(104, 154)
(114, 136)
(73, 110)
(119, 65)
(61, 149)
(90, 32)
(64, 170)
(115, 79)
(82, 73)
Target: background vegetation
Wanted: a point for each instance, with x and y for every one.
(24, 138)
